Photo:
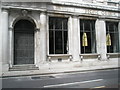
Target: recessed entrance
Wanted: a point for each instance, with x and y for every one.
(24, 42)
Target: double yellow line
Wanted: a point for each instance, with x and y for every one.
(98, 87)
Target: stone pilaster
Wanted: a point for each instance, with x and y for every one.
(43, 37)
(70, 35)
(119, 35)
(75, 38)
(0, 42)
(101, 38)
(5, 51)
(11, 46)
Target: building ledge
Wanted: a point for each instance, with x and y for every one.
(63, 3)
(26, 0)
(88, 5)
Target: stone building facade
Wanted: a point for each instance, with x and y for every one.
(59, 35)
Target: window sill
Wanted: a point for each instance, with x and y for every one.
(113, 55)
(59, 55)
(90, 56)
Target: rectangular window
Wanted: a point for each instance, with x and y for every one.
(87, 36)
(58, 35)
(112, 37)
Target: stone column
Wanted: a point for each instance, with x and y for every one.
(43, 38)
(119, 44)
(5, 51)
(119, 35)
(75, 40)
(101, 38)
(11, 46)
(70, 35)
(1, 43)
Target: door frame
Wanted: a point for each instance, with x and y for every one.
(11, 37)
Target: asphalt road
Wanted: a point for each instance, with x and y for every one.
(89, 79)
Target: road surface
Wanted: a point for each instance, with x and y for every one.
(88, 79)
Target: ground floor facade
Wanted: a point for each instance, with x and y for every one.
(49, 36)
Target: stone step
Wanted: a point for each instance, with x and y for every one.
(23, 67)
(19, 66)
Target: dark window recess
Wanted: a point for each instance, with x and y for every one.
(58, 35)
(113, 40)
(87, 36)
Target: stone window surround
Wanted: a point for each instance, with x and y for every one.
(50, 56)
(112, 33)
(91, 29)
(90, 55)
(63, 30)
(114, 54)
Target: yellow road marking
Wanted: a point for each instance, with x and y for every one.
(100, 87)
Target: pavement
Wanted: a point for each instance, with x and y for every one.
(62, 69)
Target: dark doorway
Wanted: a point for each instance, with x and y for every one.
(24, 42)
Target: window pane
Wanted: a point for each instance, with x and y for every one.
(65, 42)
(58, 42)
(58, 24)
(88, 48)
(51, 42)
(65, 24)
(87, 25)
(93, 44)
(51, 23)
